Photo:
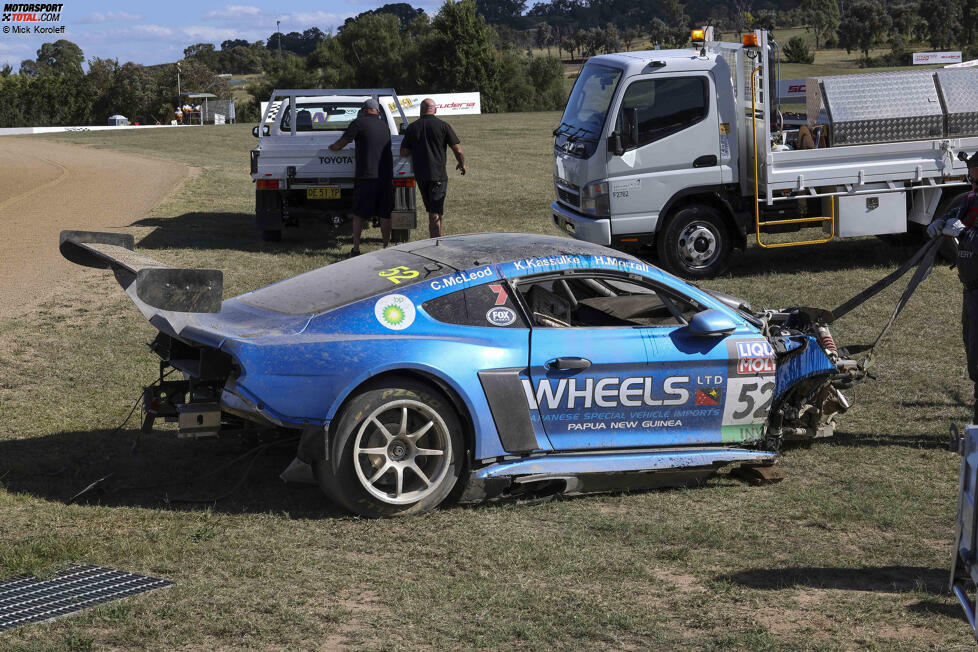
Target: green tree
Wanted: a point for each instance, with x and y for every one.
(678, 23)
(544, 35)
(864, 25)
(501, 12)
(823, 18)
(658, 32)
(202, 53)
(796, 51)
(459, 55)
(62, 57)
(944, 22)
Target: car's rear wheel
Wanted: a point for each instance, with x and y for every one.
(397, 450)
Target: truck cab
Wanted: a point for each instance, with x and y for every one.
(297, 175)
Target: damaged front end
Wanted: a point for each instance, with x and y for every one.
(812, 373)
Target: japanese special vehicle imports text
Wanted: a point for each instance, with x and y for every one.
(658, 147)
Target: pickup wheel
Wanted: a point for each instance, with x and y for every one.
(397, 450)
(695, 243)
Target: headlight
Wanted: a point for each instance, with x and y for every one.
(595, 199)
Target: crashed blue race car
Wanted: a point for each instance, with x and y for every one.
(480, 366)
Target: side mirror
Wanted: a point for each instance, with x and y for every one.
(614, 144)
(254, 131)
(711, 323)
(402, 128)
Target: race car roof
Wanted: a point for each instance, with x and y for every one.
(474, 249)
(358, 278)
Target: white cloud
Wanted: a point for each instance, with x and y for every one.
(108, 17)
(232, 12)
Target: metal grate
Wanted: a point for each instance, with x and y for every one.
(571, 198)
(30, 600)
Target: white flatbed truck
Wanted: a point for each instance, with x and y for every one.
(297, 175)
(658, 148)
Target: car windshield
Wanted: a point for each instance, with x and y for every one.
(588, 104)
(321, 116)
(344, 282)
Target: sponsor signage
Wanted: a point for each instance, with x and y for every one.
(446, 103)
(923, 58)
(791, 89)
(963, 64)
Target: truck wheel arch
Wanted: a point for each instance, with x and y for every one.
(712, 197)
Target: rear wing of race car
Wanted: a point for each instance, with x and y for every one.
(145, 280)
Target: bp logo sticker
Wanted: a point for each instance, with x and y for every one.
(501, 316)
(395, 311)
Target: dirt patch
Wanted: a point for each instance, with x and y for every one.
(46, 187)
(365, 603)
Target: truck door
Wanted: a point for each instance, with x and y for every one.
(670, 133)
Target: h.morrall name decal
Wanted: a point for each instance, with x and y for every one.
(611, 392)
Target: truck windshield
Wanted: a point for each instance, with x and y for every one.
(588, 104)
(321, 116)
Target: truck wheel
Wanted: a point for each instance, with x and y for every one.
(397, 451)
(695, 243)
(400, 235)
(272, 235)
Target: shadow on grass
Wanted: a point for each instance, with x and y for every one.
(863, 440)
(883, 579)
(832, 256)
(237, 231)
(163, 472)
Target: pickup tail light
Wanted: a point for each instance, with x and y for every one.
(268, 184)
(404, 183)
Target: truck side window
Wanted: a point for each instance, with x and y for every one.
(662, 107)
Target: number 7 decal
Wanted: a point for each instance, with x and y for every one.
(501, 294)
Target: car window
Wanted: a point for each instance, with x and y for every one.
(483, 305)
(322, 116)
(344, 282)
(663, 107)
(582, 301)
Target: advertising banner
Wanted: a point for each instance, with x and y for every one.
(446, 103)
(920, 58)
(791, 89)
(963, 64)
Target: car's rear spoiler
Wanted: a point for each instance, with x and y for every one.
(155, 284)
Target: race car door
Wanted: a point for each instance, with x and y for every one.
(597, 380)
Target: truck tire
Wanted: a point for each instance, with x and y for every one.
(400, 235)
(695, 243)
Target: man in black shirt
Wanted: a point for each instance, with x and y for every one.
(425, 142)
(373, 189)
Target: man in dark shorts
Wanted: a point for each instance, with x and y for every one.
(425, 142)
(373, 189)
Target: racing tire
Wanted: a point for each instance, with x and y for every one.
(271, 235)
(400, 235)
(377, 465)
(695, 243)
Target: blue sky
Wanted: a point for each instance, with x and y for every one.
(157, 32)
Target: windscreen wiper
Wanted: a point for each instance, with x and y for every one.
(558, 132)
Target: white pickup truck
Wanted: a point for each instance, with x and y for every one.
(295, 172)
(687, 150)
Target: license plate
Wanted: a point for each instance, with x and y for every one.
(323, 192)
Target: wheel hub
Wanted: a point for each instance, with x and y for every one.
(698, 244)
(402, 452)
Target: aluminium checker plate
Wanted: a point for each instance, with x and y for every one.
(877, 107)
(959, 93)
(30, 600)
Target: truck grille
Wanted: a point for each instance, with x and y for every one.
(568, 197)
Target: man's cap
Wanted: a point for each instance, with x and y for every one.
(372, 104)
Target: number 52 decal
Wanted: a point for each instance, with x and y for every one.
(397, 274)
(748, 400)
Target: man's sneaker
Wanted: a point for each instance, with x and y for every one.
(353, 253)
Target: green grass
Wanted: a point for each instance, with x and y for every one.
(851, 550)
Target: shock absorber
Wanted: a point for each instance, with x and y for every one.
(826, 342)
